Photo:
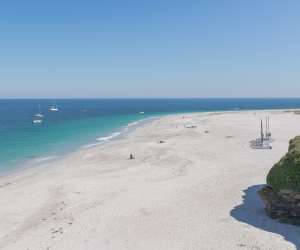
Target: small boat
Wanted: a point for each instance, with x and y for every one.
(142, 112)
(39, 114)
(53, 108)
(37, 121)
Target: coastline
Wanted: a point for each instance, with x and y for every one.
(49, 159)
(45, 161)
(55, 147)
(196, 190)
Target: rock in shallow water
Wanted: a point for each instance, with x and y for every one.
(282, 207)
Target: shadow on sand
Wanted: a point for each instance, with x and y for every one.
(251, 211)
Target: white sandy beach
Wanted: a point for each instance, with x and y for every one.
(195, 191)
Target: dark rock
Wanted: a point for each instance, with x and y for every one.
(284, 208)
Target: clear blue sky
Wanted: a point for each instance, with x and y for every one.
(154, 48)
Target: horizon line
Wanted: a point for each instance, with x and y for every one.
(138, 98)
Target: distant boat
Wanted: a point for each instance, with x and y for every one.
(142, 112)
(37, 121)
(53, 108)
(39, 114)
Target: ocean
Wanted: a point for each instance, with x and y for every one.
(89, 122)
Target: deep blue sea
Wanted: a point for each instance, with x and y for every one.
(83, 123)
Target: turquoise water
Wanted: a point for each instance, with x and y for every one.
(57, 138)
(81, 123)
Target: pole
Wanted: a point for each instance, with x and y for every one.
(261, 130)
(266, 128)
(269, 125)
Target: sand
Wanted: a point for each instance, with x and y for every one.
(197, 190)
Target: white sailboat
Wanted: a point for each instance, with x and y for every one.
(265, 139)
(39, 114)
(37, 121)
(38, 117)
(53, 108)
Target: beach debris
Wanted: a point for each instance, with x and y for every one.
(206, 131)
(59, 230)
(160, 142)
(190, 126)
(281, 196)
(131, 157)
(229, 136)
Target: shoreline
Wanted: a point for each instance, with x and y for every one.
(44, 159)
(40, 162)
(47, 157)
(195, 190)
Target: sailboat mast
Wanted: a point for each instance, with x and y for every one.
(261, 130)
(269, 125)
(266, 128)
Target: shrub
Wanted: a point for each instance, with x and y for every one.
(286, 173)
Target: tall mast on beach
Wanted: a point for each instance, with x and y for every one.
(269, 126)
(267, 132)
(261, 130)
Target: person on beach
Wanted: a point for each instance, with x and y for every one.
(131, 157)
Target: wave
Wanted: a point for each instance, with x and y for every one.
(46, 158)
(102, 140)
(107, 138)
(133, 124)
(91, 145)
(113, 135)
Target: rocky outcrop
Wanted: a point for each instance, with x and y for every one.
(284, 205)
(281, 196)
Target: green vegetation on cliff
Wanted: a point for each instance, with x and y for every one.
(286, 173)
